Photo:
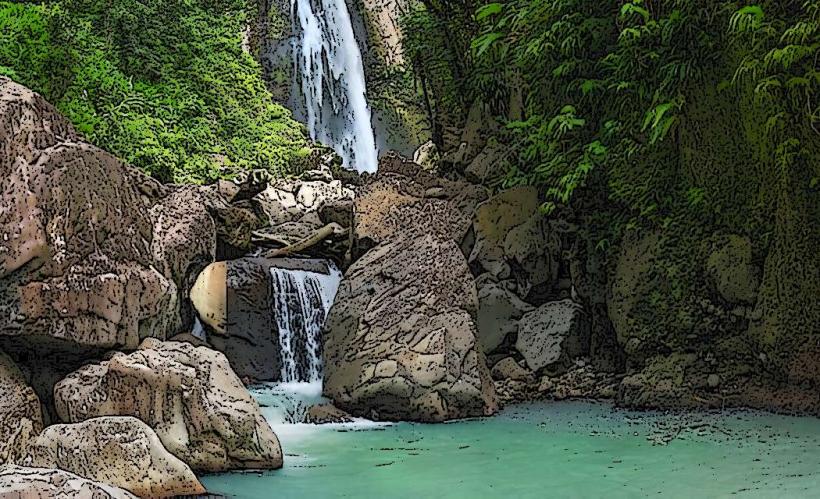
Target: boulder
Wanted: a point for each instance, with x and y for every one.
(664, 383)
(19, 482)
(402, 201)
(400, 340)
(120, 451)
(20, 415)
(76, 265)
(498, 313)
(237, 300)
(732, 272)
(490, 164)
(553, 335)
(512, 239)
(199, 408)
(326, 414)
(508, 368)
(427, 156)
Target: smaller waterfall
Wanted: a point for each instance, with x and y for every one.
(329, 63)
(302, 300)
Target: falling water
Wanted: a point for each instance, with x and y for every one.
(302, 301)
(329, 63)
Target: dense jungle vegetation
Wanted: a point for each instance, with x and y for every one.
(163, 84)
(690, 119)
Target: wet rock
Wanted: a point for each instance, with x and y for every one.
(121, 451)
(199, 408)
(553, 335)
(325, 414)
(20, 415)
(19, 482)
(400, 341)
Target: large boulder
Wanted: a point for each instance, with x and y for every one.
(199, 408)
(400, 341)
(20, 414)
(120, 451)
(731, 270)
(512, 239)
(403, 200)
(19, 482)
(499, 310)
(237, 299)
(553, 335)
(76, 268)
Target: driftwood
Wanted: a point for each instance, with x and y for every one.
(308, 242)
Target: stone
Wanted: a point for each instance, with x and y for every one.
(327, 414)
(508, 368)
(427, 156)
(490, 164)
(120, 451)
(510, 233)
(662, 384)
(713, 381)
(731, 270)
(20, 482)
(76, 267)
(20, 415)
(553, 335)
(406, 309)
(394, 204)
(209, 296)
(189, 395)
(498, 313)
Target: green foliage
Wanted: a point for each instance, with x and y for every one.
(162, 84)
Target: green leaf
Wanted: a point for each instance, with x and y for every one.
(488, 10)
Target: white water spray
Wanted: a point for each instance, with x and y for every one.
(329, 62)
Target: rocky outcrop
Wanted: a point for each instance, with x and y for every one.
(120, 451)
(75, 252)
(19, 482)
(553, 335)
(190, 396)
(20, 416)
(400, 340)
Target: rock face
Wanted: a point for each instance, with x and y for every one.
(121, 451)
(19, 482)
(552, 335)
(190, 396)
(512, 239)
(20, 416)
(75, 252)
(400, 340)
(498, 313)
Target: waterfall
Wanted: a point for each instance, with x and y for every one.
(302, 300)
(329, 62)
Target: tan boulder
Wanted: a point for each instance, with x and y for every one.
(19, 482)
(209, 296)
(75, 236)
(189, 395)
(400, 340)
(121, 451)
(20, 415)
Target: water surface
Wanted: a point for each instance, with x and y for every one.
(565, 449)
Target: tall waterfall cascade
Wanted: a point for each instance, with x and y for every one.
(328, 61)
(302, 300)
